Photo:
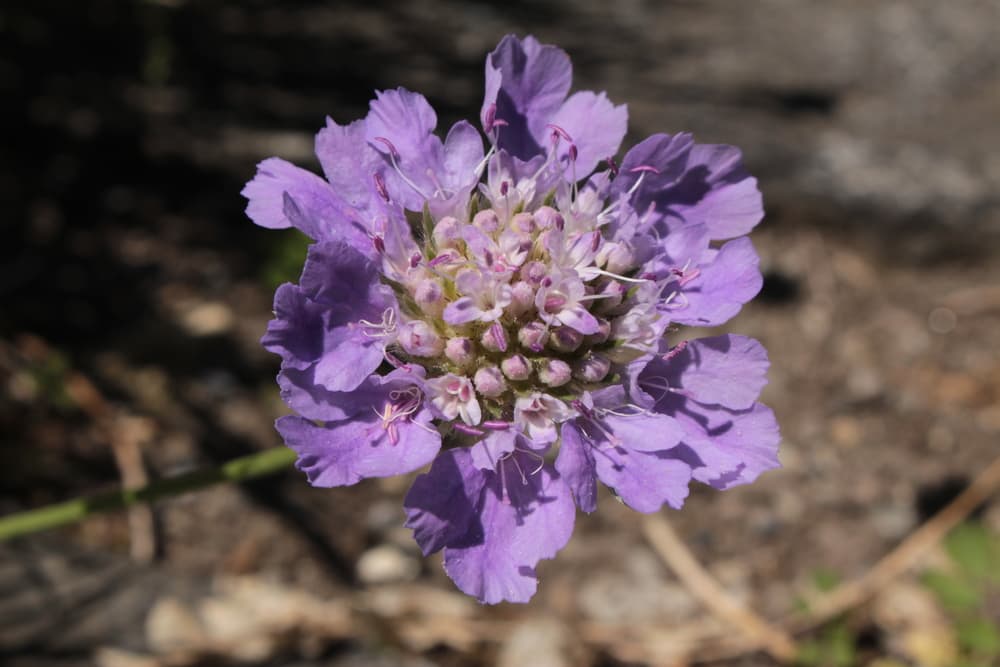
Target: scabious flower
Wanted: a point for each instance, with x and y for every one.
(511, 315)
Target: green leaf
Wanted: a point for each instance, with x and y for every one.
(974, 550)
(979, 636)
(952, 591)
(825, 580)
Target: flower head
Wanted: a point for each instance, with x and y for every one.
(477, 308)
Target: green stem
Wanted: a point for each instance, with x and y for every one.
(238, 470)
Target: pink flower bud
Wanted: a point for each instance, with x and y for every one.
(533, 336)
(516, 367)
(489, 382)
(419, 339)
(447, 232)
(547, 217)
(487, 221)
(522, 298)
(554, 372)
(459, 351)
(592, 368)
(564, 339)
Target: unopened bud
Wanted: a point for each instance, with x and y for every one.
(447, 232)
(602, 335)
(612, 295)
(522, 298)
(533, 336)
(516, 367)
(554, 372)
(419, 339)
(534, 272)
(565, 339)
(523, 223)
(459, 351)
(592, 368)
(489, 382)
(429, 296)
(487, 221)
(494, 338)
(617, 257)
(547, 217)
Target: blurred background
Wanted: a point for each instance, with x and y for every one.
(134, 292)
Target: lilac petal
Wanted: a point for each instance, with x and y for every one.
(644, 432)
(275, 181)
(488, 452)
(718, 192)
(496, 559)
(457, 175)
(341, 278)
(729, 280)
(350, 360)
(579, 318)
(296, 332)
(597, 127)
(346, 284)
(643, 480)
(533, 82)
(725, 370)
(731, 447)
(629, 425)
(349, 163)
(463, 151)
(405, 118)
(462, 310)
(682, 247)
(575, 464)
(441, 504)
(407, 121)
(665, 153)
(343, 453)
(302, 393)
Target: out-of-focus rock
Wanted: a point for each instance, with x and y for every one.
(386, 564)
(540, 642)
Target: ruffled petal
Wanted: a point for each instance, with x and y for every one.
(717, 191)
(441, 504)
(731, 447)
(352, 313)
(727, 370)
(597, 127)
(296, 332)
(343, 453)
(534, 79)
(728, 280)
(525, 514)
(645, 481)
(575, 464)
(407, 121)
(316, 209)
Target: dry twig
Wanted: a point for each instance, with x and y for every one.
(675, 553)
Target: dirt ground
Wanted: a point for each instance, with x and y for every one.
(134, 293)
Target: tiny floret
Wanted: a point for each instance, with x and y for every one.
(505, 309)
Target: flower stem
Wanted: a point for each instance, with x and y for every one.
(238, 470)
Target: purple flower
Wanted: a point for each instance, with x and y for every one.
(510, 316)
